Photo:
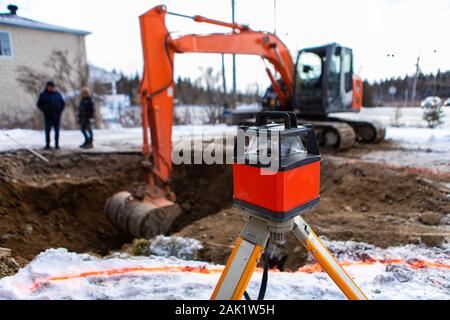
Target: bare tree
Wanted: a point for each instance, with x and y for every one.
(70, 77)
(396, 118)
(211, 81)
(131, 117)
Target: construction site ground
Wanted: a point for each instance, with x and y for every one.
(60, 205)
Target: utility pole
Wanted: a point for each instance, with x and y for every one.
(224, 79)
(414, 87)
(275, 17)
(234, 102)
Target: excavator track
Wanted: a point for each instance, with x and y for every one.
(338, 136)
(367, 131)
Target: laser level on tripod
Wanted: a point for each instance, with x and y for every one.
(276, 180)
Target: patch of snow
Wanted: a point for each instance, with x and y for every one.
(421, 138)
(201, 114)
(351, 250)
(192, 114)
(248, 108)
(410, 117)
(183, 248)
(417, 147)
(378, 281)
(116, 139)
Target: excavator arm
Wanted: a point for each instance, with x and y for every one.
(157, 87)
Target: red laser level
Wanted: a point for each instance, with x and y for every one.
(276, 179)
(277, 170)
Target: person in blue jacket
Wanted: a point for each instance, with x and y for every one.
(52, 104)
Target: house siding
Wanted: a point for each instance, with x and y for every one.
(32, 48)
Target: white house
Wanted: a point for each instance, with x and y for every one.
(26, 43)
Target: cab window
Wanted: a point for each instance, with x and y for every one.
(310, 67)
(347, 64)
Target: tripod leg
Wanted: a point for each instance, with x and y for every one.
(312, 243)
(242, 262)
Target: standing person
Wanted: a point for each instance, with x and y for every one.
(86, 112)
(52, 104)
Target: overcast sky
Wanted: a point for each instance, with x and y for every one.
(373, 28)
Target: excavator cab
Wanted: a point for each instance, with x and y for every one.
(324, 81)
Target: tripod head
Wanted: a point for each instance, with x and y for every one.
(277, 168)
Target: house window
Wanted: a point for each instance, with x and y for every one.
(5, 44)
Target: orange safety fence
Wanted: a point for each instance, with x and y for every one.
(313, 268)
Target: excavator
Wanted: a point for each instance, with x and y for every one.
(324, 84)
(319, 82)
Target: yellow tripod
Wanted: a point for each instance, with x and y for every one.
(251, 244)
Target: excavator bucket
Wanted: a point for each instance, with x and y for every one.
(145, 218)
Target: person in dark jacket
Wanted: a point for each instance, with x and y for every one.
(52, 104)
(86, 113)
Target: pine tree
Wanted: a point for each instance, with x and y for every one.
(433, 113)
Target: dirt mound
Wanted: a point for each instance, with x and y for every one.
(10, 266)
(359, 202)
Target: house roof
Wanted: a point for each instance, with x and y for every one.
(18, 21)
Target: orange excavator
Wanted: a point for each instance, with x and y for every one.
(151, 210)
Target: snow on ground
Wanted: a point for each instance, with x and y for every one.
(59, 274)
(418, 146)
(106, 140)
(410, 117)
(201, 114)
(413, 135)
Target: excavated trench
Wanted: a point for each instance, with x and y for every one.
(60, 204)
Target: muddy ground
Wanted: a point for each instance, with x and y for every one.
(61, 205)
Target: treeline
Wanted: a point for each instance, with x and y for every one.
(206, 90)
(398, 91)
(188, 92)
